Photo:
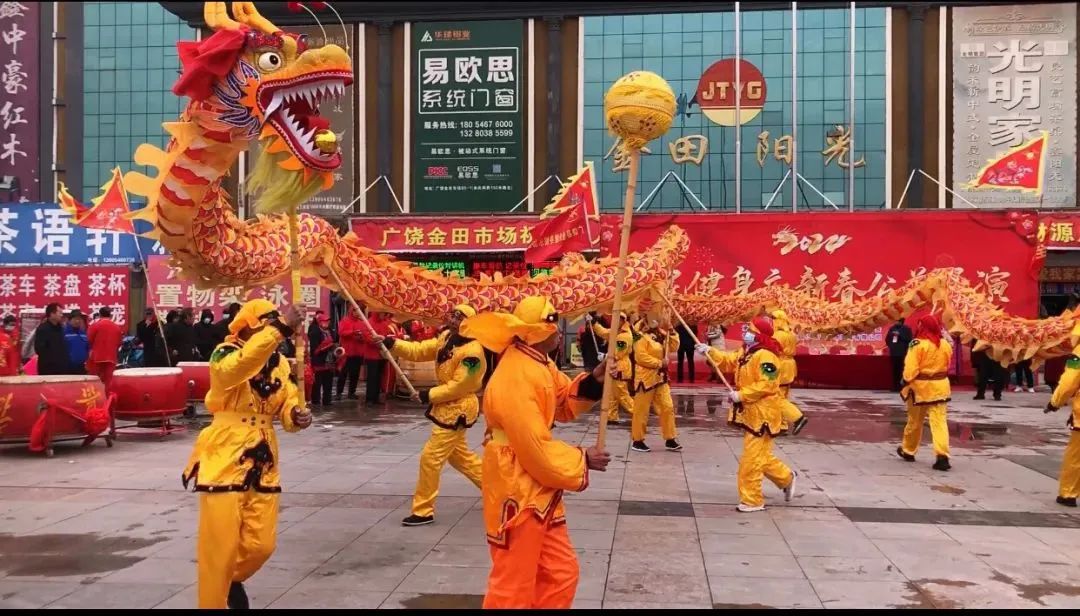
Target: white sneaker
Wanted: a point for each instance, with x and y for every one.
(789, 492)
(1031, 390)
(749, 508)
(1017, 389)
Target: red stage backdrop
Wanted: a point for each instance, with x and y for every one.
(843, 256)
(87, 288)
(165, 290)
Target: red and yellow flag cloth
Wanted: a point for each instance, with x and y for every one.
(109, 211)
(1021, 168)
(569, 222)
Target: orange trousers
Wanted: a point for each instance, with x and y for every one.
(538, 568)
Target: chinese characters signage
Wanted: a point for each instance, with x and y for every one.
(467, 116)
(19, 122)
(340, 113)
(1014, 77)
(42, 233)
(167, 291)
(1059, 231)
(471, 234)
(24, 289)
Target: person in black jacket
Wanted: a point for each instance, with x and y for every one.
(226, 318)
(686, 351)
(148, 332)
(898, 339)
(180, 337)
(49, 343)
(206, 335)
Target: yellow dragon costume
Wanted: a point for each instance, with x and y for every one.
(453, 409)
(650, 387)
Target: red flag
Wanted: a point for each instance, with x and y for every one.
(1021, 168)
(69, 204)
(110, 209)
(571, 229)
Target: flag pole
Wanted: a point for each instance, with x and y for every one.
(153, 304)
(297, 299)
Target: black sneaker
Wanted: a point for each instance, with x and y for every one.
(672, 445)
(238, 599)
(1068, 502)
(997, 398)
(942, 464)
(906, 456)
(614, 422)
(799, 424)
(640, 446)
(979, 397)
(418, 520)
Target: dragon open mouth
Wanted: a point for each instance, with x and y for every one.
(292, 107)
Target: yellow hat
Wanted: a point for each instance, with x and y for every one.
(466, 310)
(533, 320)
(251, 315)
(780, 319)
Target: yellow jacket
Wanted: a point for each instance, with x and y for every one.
(250, 385)
(1067, 388)
(650, 359)
(525, 469)
(760, 410)
(926, 372)
(788, 343)
(459, 368)
(624, 344)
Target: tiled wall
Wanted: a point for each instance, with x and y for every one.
(680, 47)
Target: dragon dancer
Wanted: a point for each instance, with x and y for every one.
(757, 408)
(526, 471)
(235, 465)
(649, 382)
(621, 374)
(926, 391)
(793, 416)
(1067, 389)
(453, 408)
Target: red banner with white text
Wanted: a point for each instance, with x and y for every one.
(846, 257)
(31, 288)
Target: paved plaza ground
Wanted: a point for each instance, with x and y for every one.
(112, 528)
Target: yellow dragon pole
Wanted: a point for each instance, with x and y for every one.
(297, 298)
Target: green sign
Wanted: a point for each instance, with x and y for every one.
(468, 121)
(446, 268)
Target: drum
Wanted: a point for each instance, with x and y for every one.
(21, 401)
(149, 393)
(197, 376)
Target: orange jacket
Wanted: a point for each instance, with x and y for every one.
(525, 469)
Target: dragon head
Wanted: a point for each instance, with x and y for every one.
(252, 76)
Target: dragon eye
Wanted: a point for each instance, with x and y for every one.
(269, 61)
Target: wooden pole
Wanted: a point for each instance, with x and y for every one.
(299, 339)
(697, 342)
(620, 283)
(382, 347)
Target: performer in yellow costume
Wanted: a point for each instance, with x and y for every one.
(758, 408)
(460, 368)
(926, 391)
(235, 464)
(526, 471)
(649, 383)
(624, 345)
(783, 335)
(1067, 388)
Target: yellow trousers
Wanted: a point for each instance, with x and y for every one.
(791, 413)
(665, 408)
(620, 398)
(757, 462)
(237, 533)
(1070, 468)
(939, 428)
(442, 446)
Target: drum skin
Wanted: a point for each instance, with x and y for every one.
(149, 393)
(20, 401)
(196, 378)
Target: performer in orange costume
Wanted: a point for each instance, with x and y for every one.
(1067, 388)
(235, 464)
(789, 342)
(649, 384)
(525, 469)
(926, 390)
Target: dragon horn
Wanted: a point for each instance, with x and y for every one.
(217, 18)
(246, 14)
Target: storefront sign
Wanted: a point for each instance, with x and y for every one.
(1059, 231)
(89, 289)
(465, 234)
(19, 121)
(1014, 77)
(467, 116)
(166, 291)
(43, 234)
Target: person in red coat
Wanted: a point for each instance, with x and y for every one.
(351, 330)
(104, 337)
(374, 362)
(10, 357)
